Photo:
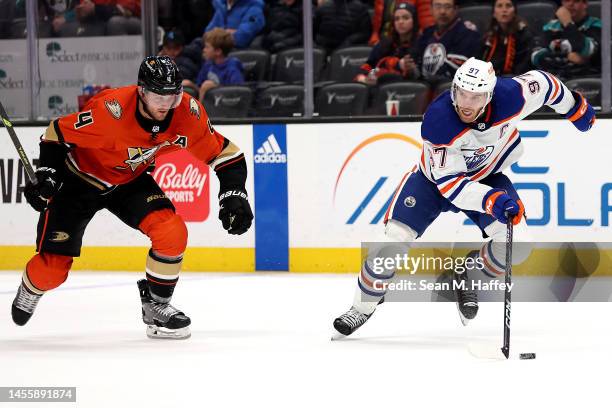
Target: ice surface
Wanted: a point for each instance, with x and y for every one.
(263, 340)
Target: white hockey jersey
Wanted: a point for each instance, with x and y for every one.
(457, 155)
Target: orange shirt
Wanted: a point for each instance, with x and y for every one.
(113, 144)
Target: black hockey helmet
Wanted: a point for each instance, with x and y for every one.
(160, 75)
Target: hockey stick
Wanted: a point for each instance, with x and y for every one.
(507, 294)
(22, 154)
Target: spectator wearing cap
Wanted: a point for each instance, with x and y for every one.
(390, 59)
(341, 23)
(243, 19)
(570, 44)
(173, 46)
(284, 26)
(508, 41)
(217, 68)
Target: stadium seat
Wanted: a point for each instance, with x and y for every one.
(289, 65)
(441, 87)
(480, 15)
(537, 14)
(412, 97)
(589, 87)
(345, 63)
(280, 101)
(254, 62)
(228, 101)
(348, 99)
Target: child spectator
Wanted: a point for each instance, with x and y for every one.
(508, 41)
(173, 46)
(218, 68)
(390, 59)
(244, 19)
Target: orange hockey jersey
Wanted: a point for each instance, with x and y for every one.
(112, 143)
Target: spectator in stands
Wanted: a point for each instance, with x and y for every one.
(284, 26)
(383, 17)
(570, 45)
(218, 68)
(341, 23)
(243, 19)
(112, 17)
(445, 46)
(390, 59)
(508, 41)
(189, 17)
(57, 19)
(173, 46)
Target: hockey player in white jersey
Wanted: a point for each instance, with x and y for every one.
(469, 137)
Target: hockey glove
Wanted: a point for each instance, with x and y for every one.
(235, 211)
(38, 195)
(582, 114)
(500, 205)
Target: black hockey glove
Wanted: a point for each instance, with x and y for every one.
(235, 211)
(38, 195)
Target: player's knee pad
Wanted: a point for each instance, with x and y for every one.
(399, 232)
(46, 271)
(167, 231)
(493, 252)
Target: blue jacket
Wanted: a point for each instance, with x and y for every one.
(245, 16)
(226, 73)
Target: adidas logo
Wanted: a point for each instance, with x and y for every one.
(270, 152)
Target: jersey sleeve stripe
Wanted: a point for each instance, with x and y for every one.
(556, 87)
(458, 190)
(58, 131)
(560, 98)
(549, 86)
(444, 179)
(450, 185)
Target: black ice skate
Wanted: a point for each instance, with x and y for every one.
(466, 298)
(24, 305)
(163, 320)
(350, 321)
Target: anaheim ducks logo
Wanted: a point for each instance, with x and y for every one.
(114, 108)
(59, 236)
(194, 109)
(141, 155)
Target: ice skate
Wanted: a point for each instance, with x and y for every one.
(163, 320)
(24, 305)
(348, 322)
(465, 297)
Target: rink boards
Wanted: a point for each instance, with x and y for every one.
(319, 190)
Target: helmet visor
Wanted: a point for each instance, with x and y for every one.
(161, 102)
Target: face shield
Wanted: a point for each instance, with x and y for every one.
(160, 102)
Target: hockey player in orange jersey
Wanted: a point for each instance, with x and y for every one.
(98, 158)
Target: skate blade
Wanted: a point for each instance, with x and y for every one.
(464, 320)
(156, 332)
(487, 351)
(336, 335)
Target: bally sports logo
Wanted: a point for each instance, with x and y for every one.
(185, 182)
(270, 152)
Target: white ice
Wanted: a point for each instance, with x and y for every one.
(263, 340)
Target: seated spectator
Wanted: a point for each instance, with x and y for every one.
(508, 41)
(284, 26)
(110, 17)
(189, 17)
(341, 23)
(445, 46)
(243, 19)
(383, 17)
(173, 46)
(217, 68)
(57, 18)
(390, 59)
(570, 45)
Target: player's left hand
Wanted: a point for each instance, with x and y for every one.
(582, 114)
(501, 206)
(235, 211)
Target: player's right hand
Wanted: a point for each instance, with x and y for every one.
(235, 211)
(501, 206)
(39, 194)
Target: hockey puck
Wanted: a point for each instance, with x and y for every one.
(527, 356)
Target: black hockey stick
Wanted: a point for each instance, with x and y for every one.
(22, 154)
(507, 294)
